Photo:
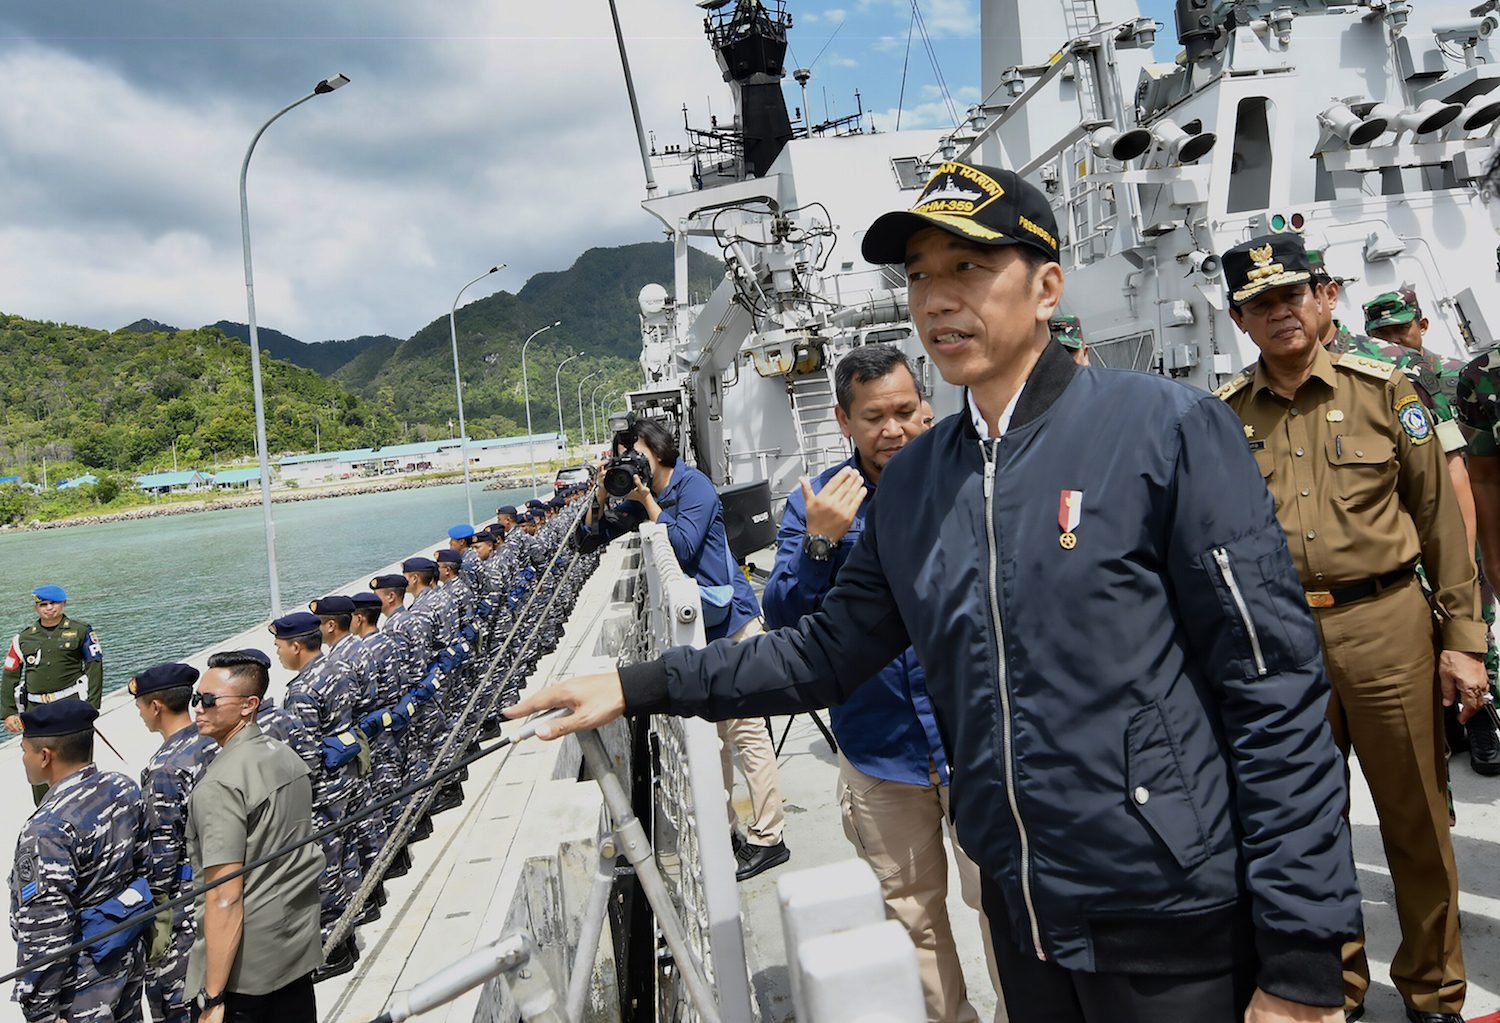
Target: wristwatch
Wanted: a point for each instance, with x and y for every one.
(205, 1001)
(818, 547)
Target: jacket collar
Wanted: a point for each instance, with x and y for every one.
(1050, 376)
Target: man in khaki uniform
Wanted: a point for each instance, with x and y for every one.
(1362, 491)
(258, 938)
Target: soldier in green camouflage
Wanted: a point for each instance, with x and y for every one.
(55, 658)
(1397, 328)
(1476, 402)
(1068, 332)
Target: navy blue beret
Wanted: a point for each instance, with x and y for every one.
(506, 509)
(298, 623)
(365, 599)
(332, 605)
(418, 565)
(388, 582)
(162, 676)
(258, 656)
(450, 556)
(61, 717)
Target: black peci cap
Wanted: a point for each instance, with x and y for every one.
(1270, 261)
(983, 205)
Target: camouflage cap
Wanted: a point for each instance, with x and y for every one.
(1392, 309)
(1067, 331)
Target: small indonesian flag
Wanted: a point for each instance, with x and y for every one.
(1070, 510)
(13, 655)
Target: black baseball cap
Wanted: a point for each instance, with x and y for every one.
(983, 205)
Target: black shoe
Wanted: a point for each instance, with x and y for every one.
(448, 797)
(369, 914)
(341, 962)
(736, 842)
(1484, 744)
(422, 830)
(1356, 1013)
(1432, 1017)
(756, 859)
(400, 865)
(378, 896)
(490, 730)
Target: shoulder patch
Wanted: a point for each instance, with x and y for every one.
(1236, 384)
(1364, 364)
(1414, 419)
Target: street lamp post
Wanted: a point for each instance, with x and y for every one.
(327, 85)
(582, 427)
(557, 386)
(458, 384)
(594, 409)
(526, 396)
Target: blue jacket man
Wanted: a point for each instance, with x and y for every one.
(1121, 657)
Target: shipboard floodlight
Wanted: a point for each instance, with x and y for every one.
(1342, 122)
(1480, 112)
(1180, 146)
(1120, 145)
(1427, 117)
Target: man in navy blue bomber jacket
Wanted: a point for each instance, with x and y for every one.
(1119, 653)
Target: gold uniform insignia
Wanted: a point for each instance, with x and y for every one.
(1249, 431)
(1262, 255)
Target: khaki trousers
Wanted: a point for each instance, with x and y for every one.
(898, 830)
(752, 740)
(1386, 705)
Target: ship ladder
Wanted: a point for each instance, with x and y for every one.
(819, 440)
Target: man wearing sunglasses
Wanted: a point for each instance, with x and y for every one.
(56, 658)
(258, 941)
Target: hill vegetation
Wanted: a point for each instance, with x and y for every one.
(125, 401)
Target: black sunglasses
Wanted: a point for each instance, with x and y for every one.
(211, 700)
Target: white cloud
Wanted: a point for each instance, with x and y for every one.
(841, 61)
(475, 139)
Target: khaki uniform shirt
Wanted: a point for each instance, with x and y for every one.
(1360, 487)
(254, 798)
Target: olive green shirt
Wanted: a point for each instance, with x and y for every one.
(255, 798)
(42, 660)
(1361, 488)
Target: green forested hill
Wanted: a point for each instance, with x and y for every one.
(91, 399)
(595, 299)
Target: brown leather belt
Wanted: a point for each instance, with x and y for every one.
(1356, 591)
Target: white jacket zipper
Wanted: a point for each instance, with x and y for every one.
(991, 457)
(1227, 571)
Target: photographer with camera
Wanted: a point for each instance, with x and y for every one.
(647, 482)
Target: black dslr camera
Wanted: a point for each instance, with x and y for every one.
(620, 472)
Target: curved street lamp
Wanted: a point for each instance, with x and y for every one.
(557, 386)
(526, 396)
(458, 384)
(594, 408)
(327, 85)
(583, 432)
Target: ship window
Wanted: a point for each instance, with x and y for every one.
(909, 172)
(1250, 165)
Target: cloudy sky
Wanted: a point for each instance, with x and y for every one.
(472, 133)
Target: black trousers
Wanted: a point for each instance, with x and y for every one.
(293, 1003)
(1043, 992)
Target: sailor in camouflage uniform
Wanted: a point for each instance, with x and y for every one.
(380, 670)
(55, 658)
(162, 696)
(341, 650)
(77, 871)
(461, 539)
(322, 696)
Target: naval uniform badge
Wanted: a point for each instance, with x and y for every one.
(1069, 515)
(1414, 419)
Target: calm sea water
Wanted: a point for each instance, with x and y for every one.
(160, 589)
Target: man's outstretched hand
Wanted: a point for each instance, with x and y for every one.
(594, 700)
